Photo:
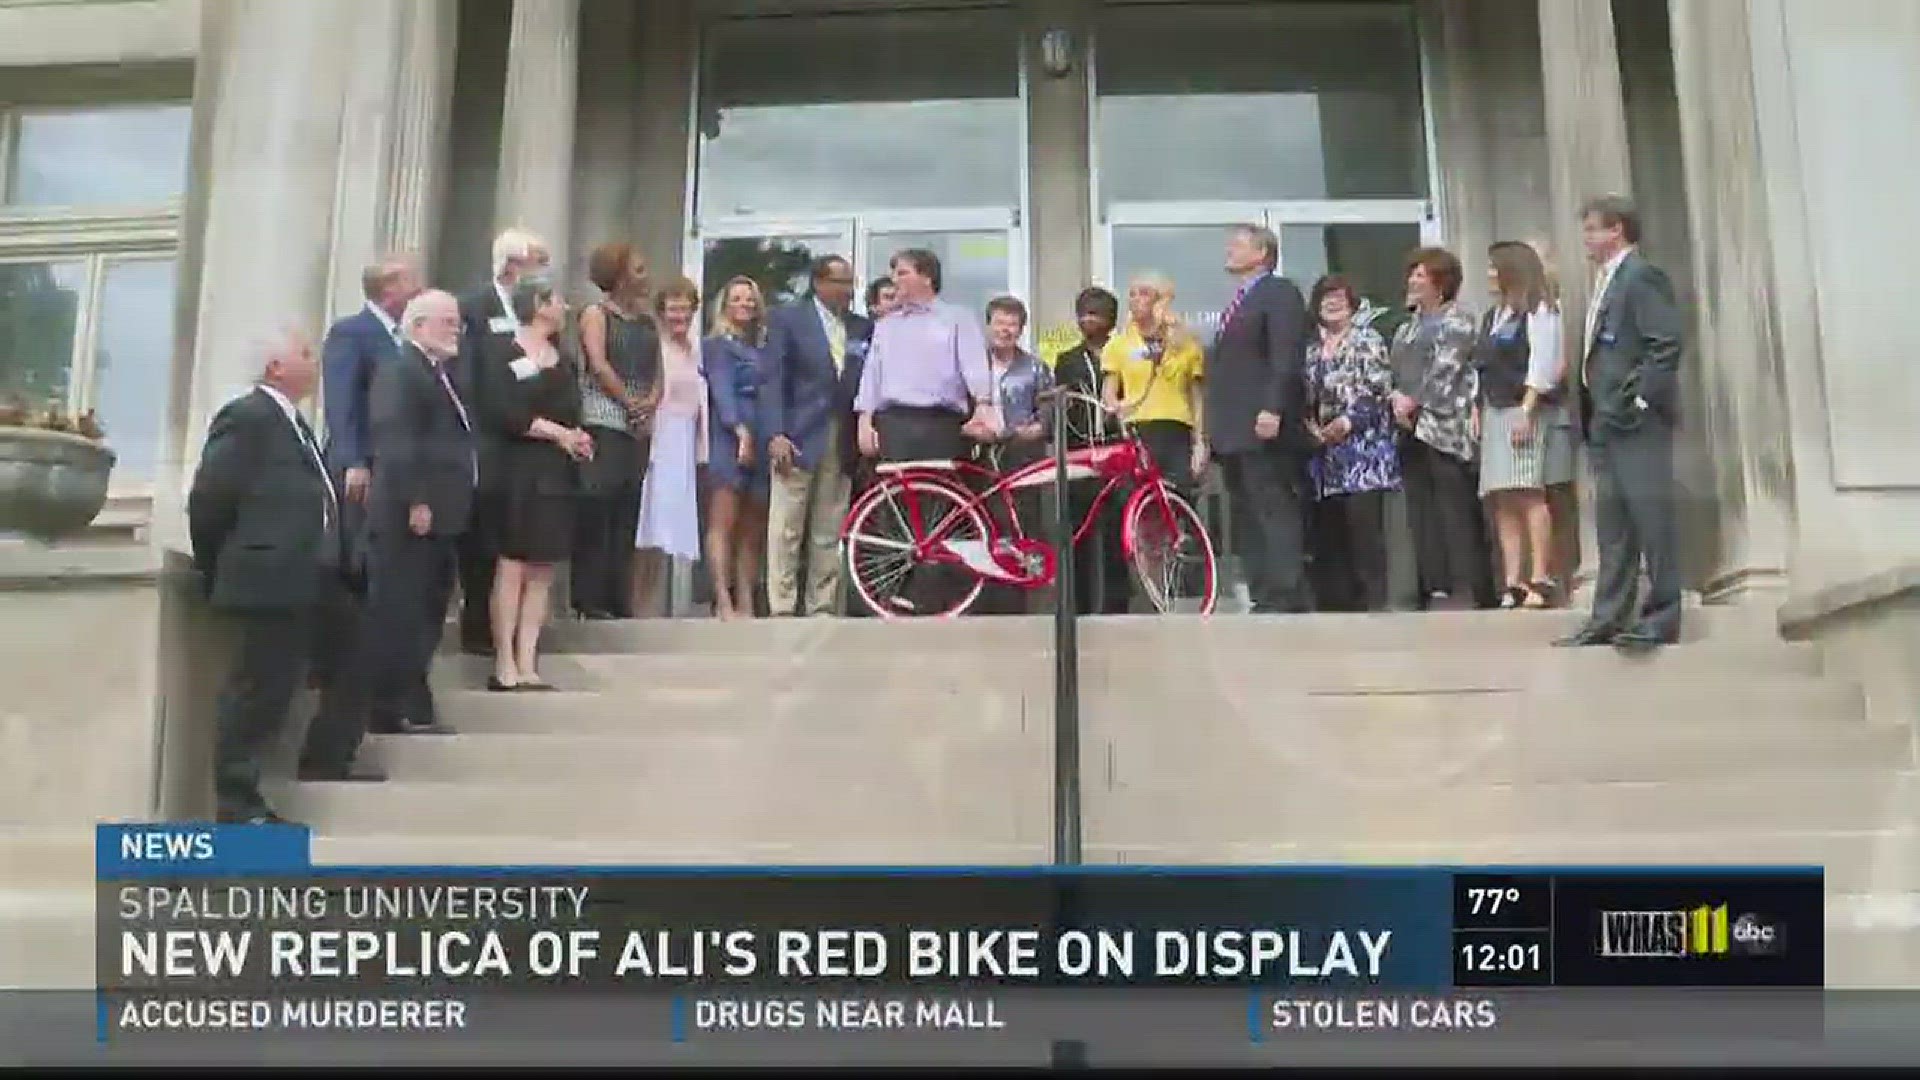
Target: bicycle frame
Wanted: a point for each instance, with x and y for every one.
(1123, 461)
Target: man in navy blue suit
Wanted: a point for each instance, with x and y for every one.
(355, 349)
(815, 349)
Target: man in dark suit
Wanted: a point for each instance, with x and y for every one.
(1256, 419)
(485, 313)
(815, 350)
(355, 348)
(1630, 362)
(425, 466)
(265, 524)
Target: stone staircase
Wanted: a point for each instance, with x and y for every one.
(1444, 738)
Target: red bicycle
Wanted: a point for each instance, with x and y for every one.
(922, 520)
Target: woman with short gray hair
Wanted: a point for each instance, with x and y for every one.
(536, 393)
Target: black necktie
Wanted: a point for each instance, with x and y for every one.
(312, 447)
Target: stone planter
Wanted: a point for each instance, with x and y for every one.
(52, 483)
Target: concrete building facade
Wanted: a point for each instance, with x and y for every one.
(177, 171)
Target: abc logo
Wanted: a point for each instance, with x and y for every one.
(1755, 938)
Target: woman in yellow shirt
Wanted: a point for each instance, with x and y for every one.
(1151, 374)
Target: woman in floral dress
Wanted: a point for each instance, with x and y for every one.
(1356, 464)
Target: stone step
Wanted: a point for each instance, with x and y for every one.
(744, 804)
(794, 637)
(1419, 807)
(1225, 708)
(801, 758)
(1474, 630)
(983, 711)
(1371, 755)
(628, 673)
(1435, 668)
(1222, 705)
(994, 634)
(1251, 665)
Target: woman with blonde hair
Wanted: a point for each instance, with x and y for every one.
(1151, 372)
(736, 462)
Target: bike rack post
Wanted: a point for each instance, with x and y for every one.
(1066, 660)
(1066, 1053)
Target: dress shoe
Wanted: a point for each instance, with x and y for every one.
(1586, 635)
(357, 772)
(432, 727)
(1642, 640)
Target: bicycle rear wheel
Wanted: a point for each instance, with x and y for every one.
(887, 573)
(1171, 555)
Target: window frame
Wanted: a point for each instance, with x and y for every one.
(100, 236)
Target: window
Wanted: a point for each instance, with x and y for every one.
(123, 155)
(1259, 102)
(821, 113)
(89, 225)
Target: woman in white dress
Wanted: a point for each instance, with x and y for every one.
(670, 500)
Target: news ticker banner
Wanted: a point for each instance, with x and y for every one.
(233, 929)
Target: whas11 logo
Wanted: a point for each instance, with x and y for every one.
(1702, 931)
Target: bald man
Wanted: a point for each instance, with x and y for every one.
(265, 523)
(426, 465)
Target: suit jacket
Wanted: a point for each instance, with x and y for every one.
(258, 511)
(355, 348)
(1634, 354)
(423, 449)
(1258, 363)
(803, 394)
(481, 343)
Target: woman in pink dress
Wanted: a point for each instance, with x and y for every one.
(670, 499)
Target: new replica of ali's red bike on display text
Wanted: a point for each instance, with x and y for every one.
(928, 536)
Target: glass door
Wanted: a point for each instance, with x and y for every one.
(776, 253)
(982, 252)
(1366, 240)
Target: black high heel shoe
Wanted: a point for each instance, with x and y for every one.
(494, 684)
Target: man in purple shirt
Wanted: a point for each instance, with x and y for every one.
(926, 387)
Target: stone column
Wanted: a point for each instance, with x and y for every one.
(393, 136)
(373, 55)
(536, 123)
(1743, 369)
(268, 103)
(605, 165)
(1467, 185)
(1586, 155)
(422, 109)
(1059, 236)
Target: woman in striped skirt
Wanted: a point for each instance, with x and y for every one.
(1526, 436)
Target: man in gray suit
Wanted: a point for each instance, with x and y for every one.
(1630, 360)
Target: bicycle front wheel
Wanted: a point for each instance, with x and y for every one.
(1167, 545)
(881, 549)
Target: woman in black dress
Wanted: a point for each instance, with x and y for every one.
(538, 394)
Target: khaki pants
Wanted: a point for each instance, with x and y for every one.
(806, 508)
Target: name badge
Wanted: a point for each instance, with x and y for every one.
(501, 324)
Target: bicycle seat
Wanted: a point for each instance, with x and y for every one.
(891, 468)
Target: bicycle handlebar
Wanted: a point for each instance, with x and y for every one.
(1056, 393)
